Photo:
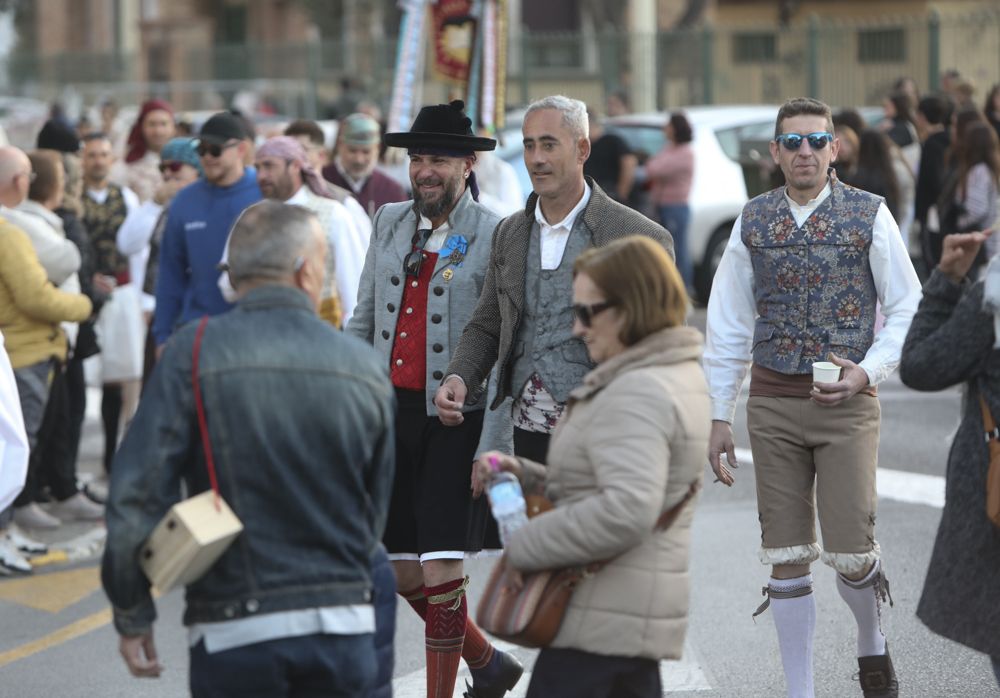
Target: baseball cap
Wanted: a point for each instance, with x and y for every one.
(359, 129)
(222, 127)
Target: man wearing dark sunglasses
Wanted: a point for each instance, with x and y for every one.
(798, 284)
(198, 223)
(422, 275)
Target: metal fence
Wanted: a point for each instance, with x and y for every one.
(841, 61)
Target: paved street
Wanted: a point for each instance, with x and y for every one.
(57, 640)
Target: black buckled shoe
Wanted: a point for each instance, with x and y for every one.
(878, 677)
(509, 674)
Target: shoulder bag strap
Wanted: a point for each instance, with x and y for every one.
(200, 407)
(989, 424)
(666, 519)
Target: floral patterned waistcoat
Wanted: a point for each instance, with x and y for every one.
(813, 285)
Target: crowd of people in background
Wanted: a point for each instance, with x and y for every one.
(116, 235)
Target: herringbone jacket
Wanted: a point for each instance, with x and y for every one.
(492, 331)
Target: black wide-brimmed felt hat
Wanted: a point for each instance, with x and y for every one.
(442, 126)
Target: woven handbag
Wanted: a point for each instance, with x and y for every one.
(993, 474)
(530, 615)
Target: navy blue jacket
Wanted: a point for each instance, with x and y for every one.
(198, 223)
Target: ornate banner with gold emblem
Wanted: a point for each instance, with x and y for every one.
(454, 32)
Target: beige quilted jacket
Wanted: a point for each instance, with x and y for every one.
(632, 441)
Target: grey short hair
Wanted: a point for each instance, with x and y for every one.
(574, 113)
(268, 241)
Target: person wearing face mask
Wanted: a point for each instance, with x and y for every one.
(798, 283)
(628, 449)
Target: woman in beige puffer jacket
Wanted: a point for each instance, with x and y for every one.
(628, 448)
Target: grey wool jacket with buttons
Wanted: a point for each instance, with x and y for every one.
(450, 301)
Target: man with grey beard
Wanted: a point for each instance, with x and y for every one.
(423, 273)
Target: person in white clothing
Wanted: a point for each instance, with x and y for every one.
(179, 167)
(14, 453)
(312, 138)
(284, 174)
(798, 284)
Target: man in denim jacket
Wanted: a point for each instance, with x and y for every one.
(300, 420)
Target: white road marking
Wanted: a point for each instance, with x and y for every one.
(898, 485)
(680, 676)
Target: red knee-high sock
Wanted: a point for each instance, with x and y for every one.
(476, 651)
(444, 635)
(417, 600)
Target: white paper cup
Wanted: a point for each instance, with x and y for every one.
(825, 372)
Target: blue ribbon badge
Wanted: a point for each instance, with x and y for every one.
(454, 249)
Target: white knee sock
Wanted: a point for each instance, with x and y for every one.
(861, 597)
(795, 620)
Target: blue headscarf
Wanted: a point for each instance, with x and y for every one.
(182, 150)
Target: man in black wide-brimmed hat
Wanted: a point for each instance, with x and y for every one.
(422, 277)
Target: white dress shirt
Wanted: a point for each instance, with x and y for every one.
(437, 238)
(347, 247)
(732, 309)
(555, 236)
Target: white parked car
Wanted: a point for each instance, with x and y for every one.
(732, 164)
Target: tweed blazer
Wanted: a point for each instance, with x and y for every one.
(491, 333)
(450, 300)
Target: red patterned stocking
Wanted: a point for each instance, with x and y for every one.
(477, 650)
(444, 635)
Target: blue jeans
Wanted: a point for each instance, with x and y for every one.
(311, 666)
(675, 218)
(384, 580)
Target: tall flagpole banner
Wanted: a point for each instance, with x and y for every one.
(409, 76)
(475, 69)
(489, 75)
(500, 70)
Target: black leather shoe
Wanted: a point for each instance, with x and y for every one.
(878, 677)
(510, 673)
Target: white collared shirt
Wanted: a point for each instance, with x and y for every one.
(554, 237)
(436, 241)
(356, 185)
(348, 249)
(355, 619)
(732, 308)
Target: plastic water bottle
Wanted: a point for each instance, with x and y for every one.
(506, 502)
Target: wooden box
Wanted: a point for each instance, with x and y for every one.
(188, 541)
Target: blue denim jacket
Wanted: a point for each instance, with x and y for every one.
(300, 418)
